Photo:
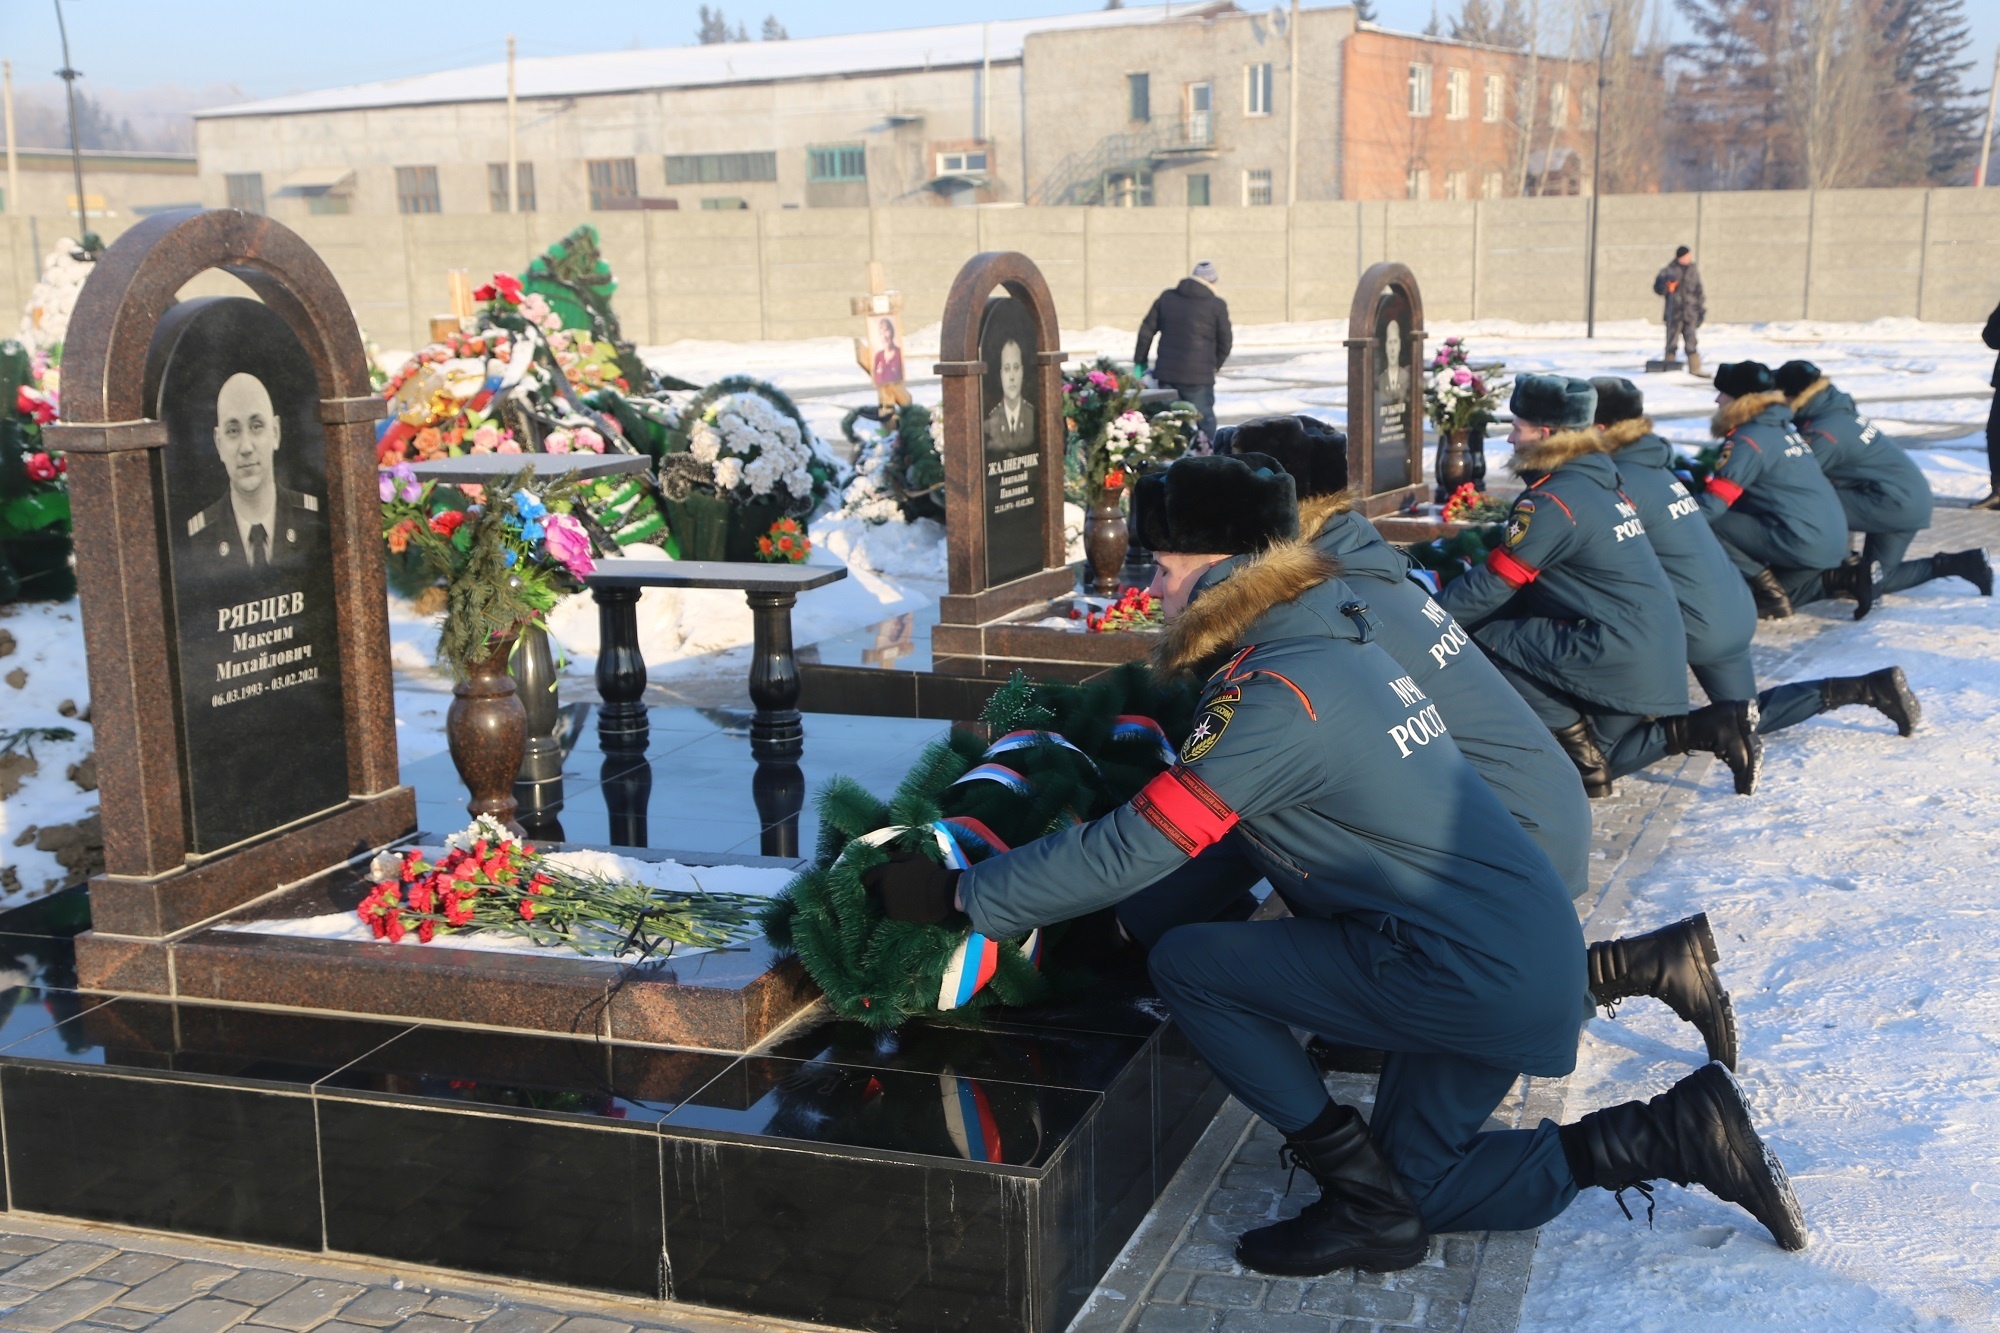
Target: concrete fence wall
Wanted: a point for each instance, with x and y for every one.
(1843, 255)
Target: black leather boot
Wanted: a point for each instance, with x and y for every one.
(1363, 1218)
(1975, 567)
(1852, 578)
(1673, 964)
(1581, 747)
(1727, 730)
(1696, 1132)
(1887, 691)
(1773, 603)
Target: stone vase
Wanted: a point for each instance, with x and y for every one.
(1454, 462)
(487, 729)
(1105, 535)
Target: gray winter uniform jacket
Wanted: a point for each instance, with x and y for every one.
(1767, 471)
(1880, 487)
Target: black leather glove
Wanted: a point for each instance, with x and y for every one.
(912, 887)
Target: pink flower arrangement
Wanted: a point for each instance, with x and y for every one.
(569, 544)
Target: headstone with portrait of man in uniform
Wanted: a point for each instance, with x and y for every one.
(229, 567)
(1385, 389)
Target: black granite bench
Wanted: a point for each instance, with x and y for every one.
(772, 589)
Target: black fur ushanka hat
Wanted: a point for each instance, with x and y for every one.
(1211, 505)
(1553, 401)
(1313, 452)
(1618, 400)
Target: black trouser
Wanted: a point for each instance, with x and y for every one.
(1202, 398)
(1993, 440)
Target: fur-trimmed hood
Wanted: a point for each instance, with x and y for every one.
(1545, 456)
(1739, 410)
(1629, 431)
(1810, 392)
(1222, 613)
(1315, 510)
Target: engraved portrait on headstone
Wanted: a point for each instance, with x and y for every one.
(1010, 429)
(254, 622)
(1393, 377)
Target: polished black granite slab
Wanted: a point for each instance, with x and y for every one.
(696, 787)
(942, 1177)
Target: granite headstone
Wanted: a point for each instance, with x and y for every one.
(256, 637)
(1010, 435)
(1385, 348)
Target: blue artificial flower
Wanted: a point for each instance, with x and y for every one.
(531, 531)
(510, 559)
(528, 506)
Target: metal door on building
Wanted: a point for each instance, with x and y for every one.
(1198, 121)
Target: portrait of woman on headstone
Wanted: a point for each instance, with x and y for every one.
(887, 347)
(1007, 345)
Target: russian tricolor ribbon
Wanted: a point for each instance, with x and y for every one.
(1016, 740)
(1132, 727)
(1001, 774)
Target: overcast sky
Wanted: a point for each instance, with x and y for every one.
(269, 47)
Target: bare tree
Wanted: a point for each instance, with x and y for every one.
(774, 31)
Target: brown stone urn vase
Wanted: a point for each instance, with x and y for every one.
(1104, 539)
(487, 728)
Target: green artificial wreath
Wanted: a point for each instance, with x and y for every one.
(1076, 763)
(914, 471)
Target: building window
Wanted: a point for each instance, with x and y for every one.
(1420, 90)
(417, 190)
(1256, 188)
(724, 204)
(246, 191)
(1197, 190)
(1457, 94)
(837, 162)
(1418, 183)
(1257, 89)
(612, 178)
(1558, 106)
(1138, 97)
(971, 162)
(325, 203)
(720, 168)
(1493, 186)
(524, 186)
(1199, 124)
(1496, 99)
(1456, 185)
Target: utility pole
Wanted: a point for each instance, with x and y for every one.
(1985, 143)
(513, 137)
(69, 76)
(1292, 132)
(13, 165)
(1596, 170)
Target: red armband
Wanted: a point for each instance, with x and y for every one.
(1186, 809)
(1727, 489)
(1513, 572)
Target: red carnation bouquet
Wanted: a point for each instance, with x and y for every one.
(488, 879)
(1135, 609)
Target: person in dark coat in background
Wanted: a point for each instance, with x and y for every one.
(1423, 921)
(1883, 491)
(1774, 511)
(1577, 612)
(1716, 605)
(1687, 306)
(1192, 324)
(1493, 726)
(1992, 339)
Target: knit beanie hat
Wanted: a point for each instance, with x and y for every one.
(1209, 505)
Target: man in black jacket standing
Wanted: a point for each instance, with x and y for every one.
(1687, 306)
(1992, 339)
(1192, 323)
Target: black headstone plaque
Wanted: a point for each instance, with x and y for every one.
(257, 660)
(1010, 429)
(1395, 369)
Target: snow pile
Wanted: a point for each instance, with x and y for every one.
(1853, 901)
(667, 876)
(43, 685)
(46, 321)
(892, 547)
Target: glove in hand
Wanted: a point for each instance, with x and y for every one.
(912, 887)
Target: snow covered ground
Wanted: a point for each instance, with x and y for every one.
(1854, 906)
